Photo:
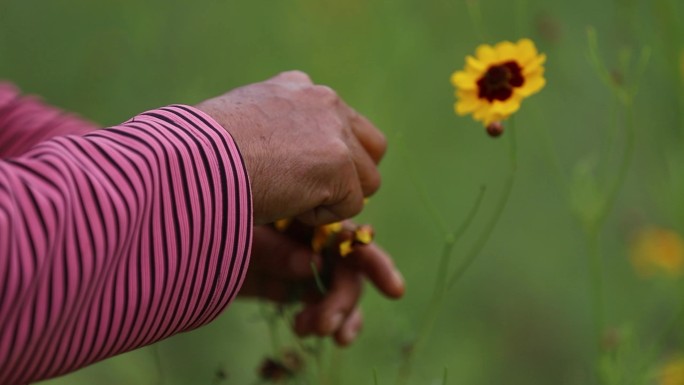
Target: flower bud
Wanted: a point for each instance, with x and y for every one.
(495, 129)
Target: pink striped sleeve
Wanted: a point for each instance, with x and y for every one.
(116, 239)
(26, 121)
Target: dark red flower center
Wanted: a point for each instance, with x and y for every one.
(499, 81)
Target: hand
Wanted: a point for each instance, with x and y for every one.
(280, 270)
(307, 153)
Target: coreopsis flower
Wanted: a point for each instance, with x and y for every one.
(656, 250)
(323, 234)
(495, 81)
(672, 372)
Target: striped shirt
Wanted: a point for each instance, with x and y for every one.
(112, 239)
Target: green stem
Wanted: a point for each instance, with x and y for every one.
(158, 364)
(475, 14)
(521, 11)
(438, 294)
(596, 273)
(659, 341)
(618, 182)
(422, 193)
(499, 209)
(437, 299)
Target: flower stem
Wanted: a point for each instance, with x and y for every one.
(499, 209)
(437, 298)
(596, 273)
(422, 193)
(475, 13)
(441, 283)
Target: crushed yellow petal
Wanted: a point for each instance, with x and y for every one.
(346, 248)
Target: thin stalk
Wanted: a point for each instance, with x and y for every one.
(422, 193)
(521, 11)
(437, 299)
(158, 364)
(660, 340)
(595, 261)
(614, 190)
(475, 14)
(499, 209)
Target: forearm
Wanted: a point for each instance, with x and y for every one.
(117, 239)
(26, 121)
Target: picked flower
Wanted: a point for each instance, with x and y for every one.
(658, 251)
(494, 83)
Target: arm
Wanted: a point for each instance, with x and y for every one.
(26, 121)
(116, 239)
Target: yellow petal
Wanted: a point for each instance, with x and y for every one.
(282, 224)
(481, 113)
(526, 51)
(486, 55)
(506, 51)
(467, 103)
(463, 80)
(504, 109)
(475, 66)
(346, 248)
(534, 65)
(531, 86)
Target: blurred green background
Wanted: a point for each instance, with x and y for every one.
(522, 313)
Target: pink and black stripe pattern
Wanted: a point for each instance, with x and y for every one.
(117, 238)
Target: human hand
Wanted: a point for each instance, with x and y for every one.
(307, 153)
(280, 270)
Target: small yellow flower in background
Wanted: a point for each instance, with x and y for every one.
(656, 250)
(672, 373)
(497, 79)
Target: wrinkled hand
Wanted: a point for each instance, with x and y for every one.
(307, 153)
(280, 270)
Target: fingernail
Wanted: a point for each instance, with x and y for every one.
(397, 278)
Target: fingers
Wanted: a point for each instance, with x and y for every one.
(277, 255)
(328, 316)
(350, 329)
(366, 168)
(377, 265)
(370, 137)
(344, 200)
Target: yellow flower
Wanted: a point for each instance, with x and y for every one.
(673, 372)
(656, 250)
(364, 234)
(282, 224)
(497, 79)
(322, 235)
(346, 247)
